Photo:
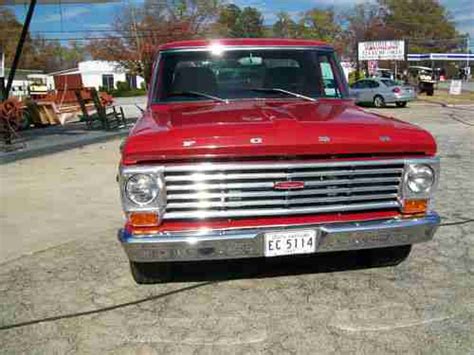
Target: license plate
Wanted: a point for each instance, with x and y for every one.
(290, 242)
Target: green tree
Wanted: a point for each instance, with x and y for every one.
(365, 22)
(240, 23)
(38, 52)
(10, 29)
(321, 25)
(228, 21)
(250, 23)
(425, 23)
(141, 29)
(284, 26)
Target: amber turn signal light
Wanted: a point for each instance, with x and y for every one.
(143, 219)
(415, 206)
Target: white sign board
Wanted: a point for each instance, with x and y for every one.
(456, 87)
(382, 50)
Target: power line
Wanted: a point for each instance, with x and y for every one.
(117, 36)
(73, 31)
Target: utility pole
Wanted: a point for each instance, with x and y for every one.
(467, 52)
(134, 30)
(357, 75)
(2, 73)
(19, 48)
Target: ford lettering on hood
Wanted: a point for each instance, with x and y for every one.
(283, 127)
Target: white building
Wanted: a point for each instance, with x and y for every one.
(96, 73)
(102, 74)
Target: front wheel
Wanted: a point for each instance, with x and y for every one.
(379, 101)
(401, 103)
(150, 273)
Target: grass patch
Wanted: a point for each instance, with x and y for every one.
(443, 96)
(128, 93)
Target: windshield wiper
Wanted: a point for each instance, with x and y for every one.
(290, 93)
(197, 93)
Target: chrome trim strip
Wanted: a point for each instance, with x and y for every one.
(277, 193)
(203, 214)
(199, 167)
(246, 243)
(255, 185)
(281, 201)
(283, 175)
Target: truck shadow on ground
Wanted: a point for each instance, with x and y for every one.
(273, 267)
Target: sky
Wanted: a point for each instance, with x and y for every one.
(53, 20)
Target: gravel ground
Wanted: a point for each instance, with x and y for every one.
(60, 263)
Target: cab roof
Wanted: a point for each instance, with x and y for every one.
(243, 42)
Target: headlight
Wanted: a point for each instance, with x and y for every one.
(142, 189)
(420, 178)
(143, 194)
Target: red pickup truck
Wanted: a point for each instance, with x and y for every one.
(251, 148)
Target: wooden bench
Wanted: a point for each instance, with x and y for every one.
(109, 117)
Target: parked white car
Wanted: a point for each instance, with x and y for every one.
(382, 91)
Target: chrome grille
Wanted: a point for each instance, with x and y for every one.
(225, 190)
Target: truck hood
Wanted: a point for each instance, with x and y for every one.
(269, 128)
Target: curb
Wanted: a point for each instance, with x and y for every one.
(34, 153)
(444, 104)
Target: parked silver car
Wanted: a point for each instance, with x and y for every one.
(382, 91)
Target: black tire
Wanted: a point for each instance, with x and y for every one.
(150, 273)
(430, 92)
(401, 103)
(382, 257)
(379, 101)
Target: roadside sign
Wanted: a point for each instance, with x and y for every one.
(381, 50)
(456, 87)
(373, 66)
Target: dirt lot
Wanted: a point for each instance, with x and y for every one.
(65, 286)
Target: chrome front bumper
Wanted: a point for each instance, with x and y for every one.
(249, 243)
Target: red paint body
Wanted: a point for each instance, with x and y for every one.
(260, 42)
(286, 129)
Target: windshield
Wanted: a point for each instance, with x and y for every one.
(389, 82)
(248, 74)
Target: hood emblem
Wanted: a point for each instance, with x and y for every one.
(385, 138)
(256, 140)
(324, 139)
(188, 143)
(288, 185)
